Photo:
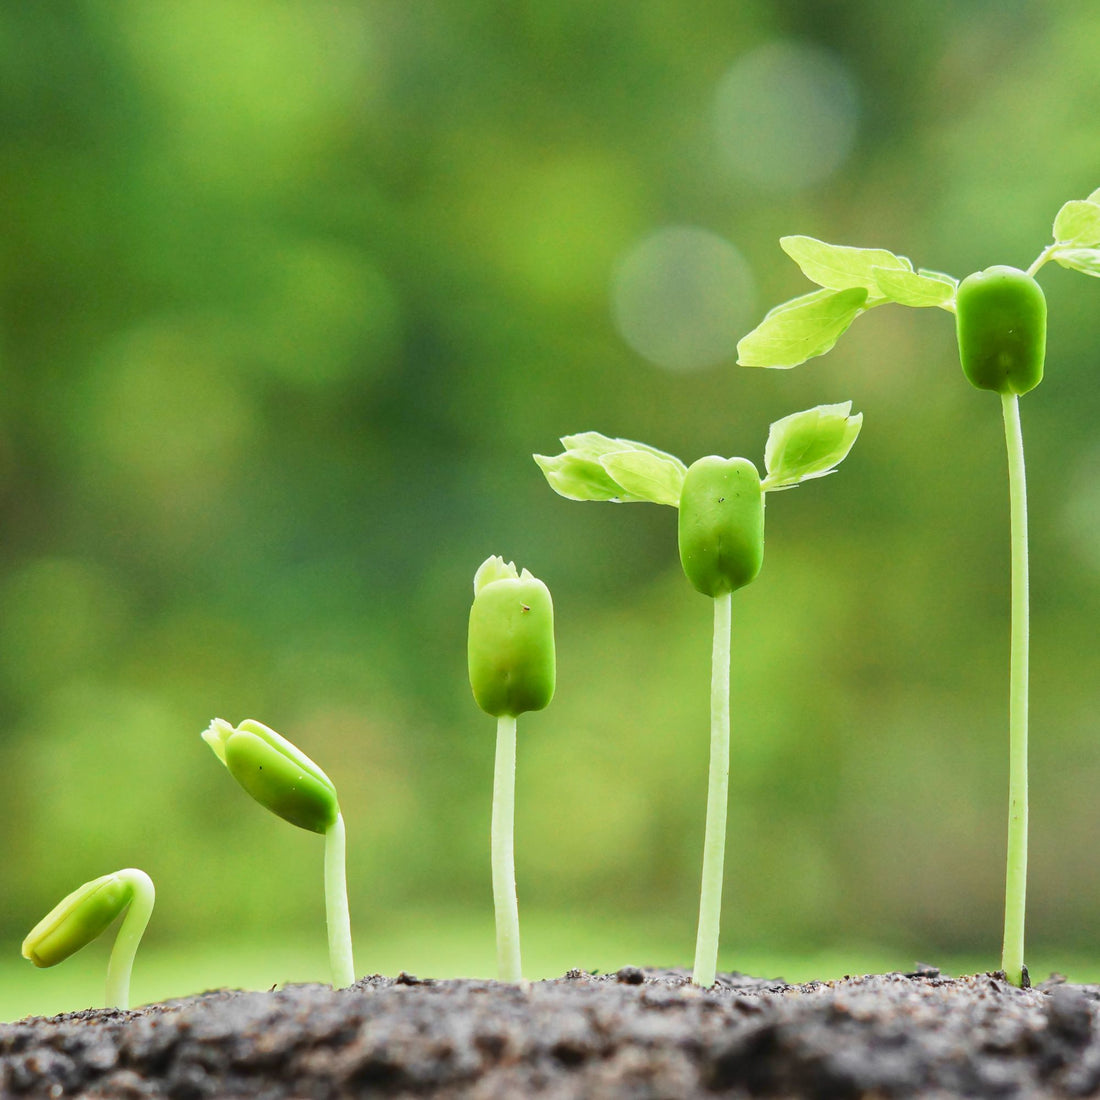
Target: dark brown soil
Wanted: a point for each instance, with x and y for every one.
(632, 1034)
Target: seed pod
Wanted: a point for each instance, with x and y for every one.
(1001, 324)
(511, 640)
(276, 773)
(721, 527)
(77, 919)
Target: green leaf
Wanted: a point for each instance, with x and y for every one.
(581, 472)
(595, 445)
(908, 288)
(1094, 197)
(801, 329)
(800, 301)
(942, 276)
(1086, 260)
(646, 476)
(1078, 223)
(576, 477)
(840, 267)
(492, 569)
(809, 444)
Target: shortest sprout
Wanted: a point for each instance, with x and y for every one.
(85, 914)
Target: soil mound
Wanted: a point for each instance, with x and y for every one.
(637, 1033)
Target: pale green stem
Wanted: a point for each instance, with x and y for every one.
(503, 855)
(1012, 959)
(133, 926)
(336, 907)
(1042, 258)
(714, 845)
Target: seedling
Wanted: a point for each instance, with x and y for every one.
(88, 911)
(721, 539)
(1000, 324)
(281, 777)
(511, 661)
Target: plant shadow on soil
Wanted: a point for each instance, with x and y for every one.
(637, 1033)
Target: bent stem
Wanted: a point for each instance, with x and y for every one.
(714, 845)
(337, 916)
(1012, 958)
(133, 926)
(503, 854)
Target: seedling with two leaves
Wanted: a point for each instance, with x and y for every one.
(721, 539)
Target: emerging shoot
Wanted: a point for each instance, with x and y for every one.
(512, 669)
(282, 778)
(721, 539)
(86, 913)
(1000, 327)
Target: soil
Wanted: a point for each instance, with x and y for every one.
(637, 1033)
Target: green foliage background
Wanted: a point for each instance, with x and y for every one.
(290, 292)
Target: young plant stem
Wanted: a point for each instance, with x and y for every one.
(503, 855)
(714, 845)
(121, 963)
(337, 916)
(1012, 959)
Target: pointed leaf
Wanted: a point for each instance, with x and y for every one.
(577, 478)
(595, 445)
(809, 444)
(801, 329)
(908, 288)
(801, 301)
(581, 472)
(840, 267)
(942, 276)
(1078, 223)
(1086, 260)
(646, 476)
(1094, 197)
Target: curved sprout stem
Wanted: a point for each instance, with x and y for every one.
(133, 926)
(1012, 959)
(505, 904)
(336, 907)
(714, 846)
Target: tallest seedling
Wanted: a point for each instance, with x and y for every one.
(721, 537)
(1000, 325)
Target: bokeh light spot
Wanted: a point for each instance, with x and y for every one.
(682, 297)
(785, 116)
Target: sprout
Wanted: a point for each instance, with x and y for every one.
(87, 912)
(511, 662)
(721, 539)
(283, 779)
(1000, 330)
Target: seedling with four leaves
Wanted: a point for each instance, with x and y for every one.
(1000, 324)
(721, 538)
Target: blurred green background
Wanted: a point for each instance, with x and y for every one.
(290, 293)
